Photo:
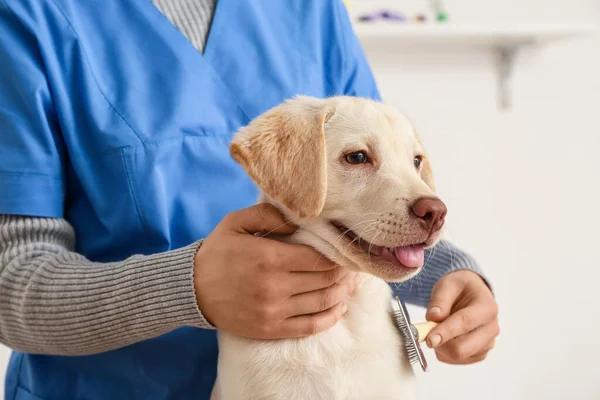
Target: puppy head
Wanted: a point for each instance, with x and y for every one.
(353, 175)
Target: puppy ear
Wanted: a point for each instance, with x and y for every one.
(283, 151)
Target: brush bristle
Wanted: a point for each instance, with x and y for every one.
(409, 345)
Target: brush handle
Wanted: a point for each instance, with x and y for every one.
(424, 328)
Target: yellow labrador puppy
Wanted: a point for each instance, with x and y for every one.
(353, 175)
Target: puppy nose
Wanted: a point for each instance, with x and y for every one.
(430, 212)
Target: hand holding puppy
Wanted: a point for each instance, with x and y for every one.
(262, 288)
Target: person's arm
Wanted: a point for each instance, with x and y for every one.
(55, 301)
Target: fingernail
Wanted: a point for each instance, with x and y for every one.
(435, 340)
(344, 308)
(434, 310)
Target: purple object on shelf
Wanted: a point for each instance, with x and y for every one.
(386, 14)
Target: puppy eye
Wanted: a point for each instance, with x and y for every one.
(417, 161)
(358, 157)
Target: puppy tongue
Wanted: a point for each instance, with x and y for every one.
(410, 256)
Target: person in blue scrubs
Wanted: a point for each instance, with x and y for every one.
(114, 166)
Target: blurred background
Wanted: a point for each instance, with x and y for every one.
(521, 180)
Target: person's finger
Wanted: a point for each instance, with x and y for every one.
(443, 296)
(303, 282)
(461, 322)
(482, 355)
(260, 218)
(466, 346)
(308, 325)
(320, 300)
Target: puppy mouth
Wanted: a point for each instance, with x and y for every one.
(408, 256)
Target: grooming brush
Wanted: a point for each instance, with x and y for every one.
(412, 335)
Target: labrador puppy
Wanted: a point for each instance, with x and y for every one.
(353, 175)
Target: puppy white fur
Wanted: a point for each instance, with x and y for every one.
(359, 212)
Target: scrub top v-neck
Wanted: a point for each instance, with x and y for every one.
(126, 133)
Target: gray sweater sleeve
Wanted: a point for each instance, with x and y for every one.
(55, 301)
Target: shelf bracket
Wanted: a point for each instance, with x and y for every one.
(507, 56)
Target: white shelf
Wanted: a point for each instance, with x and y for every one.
(467, 35)
(505, 40)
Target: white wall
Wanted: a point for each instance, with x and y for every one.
(522, 191)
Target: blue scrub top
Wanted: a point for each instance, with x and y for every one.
(110, 118)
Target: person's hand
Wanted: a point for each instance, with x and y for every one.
(467, 314)
(262, 288)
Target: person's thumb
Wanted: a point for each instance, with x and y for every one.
(443, 296)
(262, 218)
